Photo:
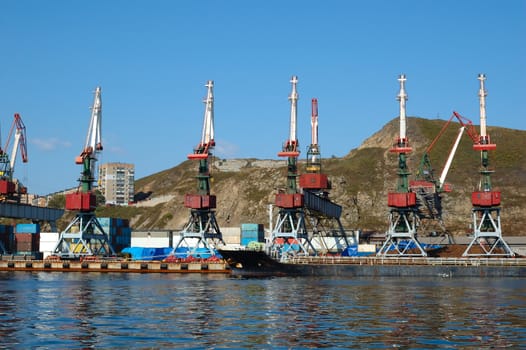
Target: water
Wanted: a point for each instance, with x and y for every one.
(168, 311)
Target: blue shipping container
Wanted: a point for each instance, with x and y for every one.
(252, 232)
(27, 228)
(252, 236)
(105, 221)
(6, 229)
(251, 227)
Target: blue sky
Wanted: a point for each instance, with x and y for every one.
(153, 58)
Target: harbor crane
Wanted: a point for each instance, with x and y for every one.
(11, 188)
(401, 237)
(487, 234)
(85, 236)
(323, 215)
(201, 235)
(427, 187)
(306, 216)
(289, 236)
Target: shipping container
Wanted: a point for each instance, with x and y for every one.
(27, 228)
(27, 242)
(251, 227)
(6, 229)
(252, 232)
(7, 187)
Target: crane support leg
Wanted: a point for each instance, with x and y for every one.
(487, 234)
(401, 238)
(289, 237)
(84, 236)
(200, 237)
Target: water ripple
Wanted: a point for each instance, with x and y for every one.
(150, 311)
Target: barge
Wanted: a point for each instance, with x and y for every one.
(116, 266)
(254, 263)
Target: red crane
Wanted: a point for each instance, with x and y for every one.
(11, 188)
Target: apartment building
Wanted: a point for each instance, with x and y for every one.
(116, 182)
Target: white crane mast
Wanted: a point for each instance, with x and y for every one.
(482, 96)
(402, 97)
(293, 109)
(208, 123)
(93, 139)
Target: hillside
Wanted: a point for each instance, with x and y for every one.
(360, 181)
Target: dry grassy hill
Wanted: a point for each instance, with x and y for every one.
(361, 180)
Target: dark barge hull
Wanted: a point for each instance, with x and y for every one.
(257, 263)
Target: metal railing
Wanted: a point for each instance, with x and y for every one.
(340, 260)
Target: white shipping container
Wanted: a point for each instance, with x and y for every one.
(367, 248)
(231, 235)
(151, 239)
(48, 241)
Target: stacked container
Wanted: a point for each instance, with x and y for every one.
(118, 231)
(252, 232)
(27, 238)
(7, 237)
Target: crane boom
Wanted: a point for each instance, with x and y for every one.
(290, 149)
(425, 170)
(402, 97)
(293, 98)
(19, 143)
(313, 152)
(314, 122)
(93, 138)
(207, 137)
(442, 179)
(93, 144)
(482, 95)
(208, 124)
(11, 188)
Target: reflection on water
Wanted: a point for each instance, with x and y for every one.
(91, 310)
